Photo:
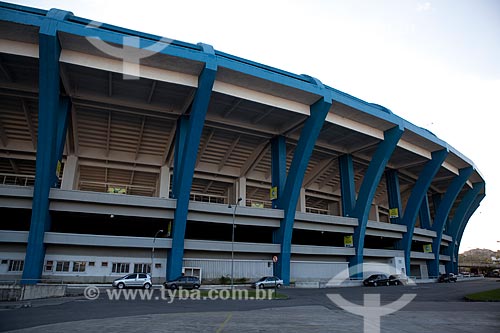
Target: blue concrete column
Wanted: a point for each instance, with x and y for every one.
(474, 207)
(278, 178)
(347, 186)
(278, 166)
(418, 199)
(180, 142)
(367, 192)
(436, 200)
(424, 214)
(62, 127)
(393, 193)
(185, 163)
(442, 213)
(459, 219)
(470, 212)
(295, 177)
(46, 156)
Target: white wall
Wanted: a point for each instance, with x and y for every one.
(317, 270)
(215, 268)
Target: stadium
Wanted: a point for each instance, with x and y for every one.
(127, 152)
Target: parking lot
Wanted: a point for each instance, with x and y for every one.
(435, 308)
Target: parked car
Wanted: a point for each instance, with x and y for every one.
(268, 282)
(398, 279)
(376, 280)
(494, 273)
(134, 280)
(449, 277)
(184, 282)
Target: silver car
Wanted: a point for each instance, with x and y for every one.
(134, 280)
(268, 282)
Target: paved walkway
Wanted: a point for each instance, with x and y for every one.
(295, 319)
(283, 319)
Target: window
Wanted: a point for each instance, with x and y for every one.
(5, 261)
(142, 268)
(120, 267)
(104, 264)
(91, 263)
(79, 266)
(62, 266)
(49, 265)
(131, 277)
(143, 276)
(16, 265)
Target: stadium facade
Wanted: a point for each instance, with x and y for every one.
(124, 152)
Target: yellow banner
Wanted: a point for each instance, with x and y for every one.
(393, 213)
(348, 242)
(117, 190)
(273, 193)
(58, 169)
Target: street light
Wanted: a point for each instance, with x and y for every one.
(232, 244)
(153, 254)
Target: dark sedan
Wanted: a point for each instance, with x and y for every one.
(185, 282)
(450, 277)
(376, 280)
(398, 280)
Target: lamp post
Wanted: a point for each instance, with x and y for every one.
(153, 254)
(232, 244)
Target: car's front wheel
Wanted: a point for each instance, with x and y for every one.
(120, 285)
(261, 286)
(278, 286)
(173, 286)
(196, 286)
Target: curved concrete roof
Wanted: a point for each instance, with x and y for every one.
(251, 103)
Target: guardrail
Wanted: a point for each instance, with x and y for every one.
(317, 211)
(259, 203)
(36, 281)
(17, 179)
(211, 198)
(106, 186)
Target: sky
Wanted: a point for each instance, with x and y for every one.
(433, 63)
